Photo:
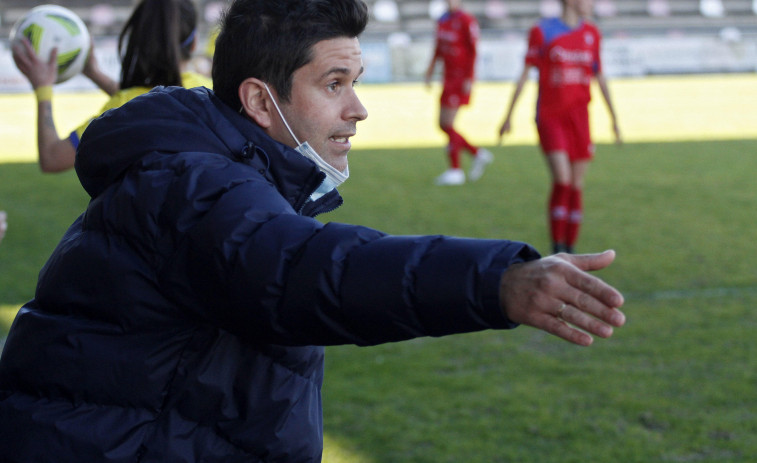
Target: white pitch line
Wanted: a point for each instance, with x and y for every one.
(691, 293)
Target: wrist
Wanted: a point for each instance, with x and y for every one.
(44, 93)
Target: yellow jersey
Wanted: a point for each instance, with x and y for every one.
(188, 80)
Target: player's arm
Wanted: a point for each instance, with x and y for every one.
(506, 124)
(93, 72)
(55, 154)
(533, 57)
(430, 69)
(474, 33)
(602, 81)
(431, 65)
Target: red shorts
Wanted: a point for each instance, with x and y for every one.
(456, 92)
(567, 131)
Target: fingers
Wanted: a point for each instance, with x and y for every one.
(53, 60)
(575, 326)
(557, 325)
(583, 286)
(23, 50)
(22, 45)
(590, 262)
(22, 53)
(562, 330)
(595, 302)
(39, 72)
(557, 295)
(590, 324)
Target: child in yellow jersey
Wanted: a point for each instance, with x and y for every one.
(156, 44)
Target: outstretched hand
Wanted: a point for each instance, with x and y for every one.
(557, 295)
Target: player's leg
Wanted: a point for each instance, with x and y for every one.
(454, 175)
(456, 94)
(581, 154)
(481, 156)
(575, 206)
(447, 116)
(559, 199)
(554, 143)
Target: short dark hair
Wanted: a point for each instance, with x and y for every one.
(158, 36)
(270, 40)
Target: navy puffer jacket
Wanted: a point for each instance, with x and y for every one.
(177, 318)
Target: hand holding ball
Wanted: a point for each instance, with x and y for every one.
(51, 26)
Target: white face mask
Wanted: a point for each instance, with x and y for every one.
(334, 177)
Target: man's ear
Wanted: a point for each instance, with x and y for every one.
(254, 100)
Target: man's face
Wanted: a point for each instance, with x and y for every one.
(323, 108)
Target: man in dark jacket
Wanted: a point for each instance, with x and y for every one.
(180, 317)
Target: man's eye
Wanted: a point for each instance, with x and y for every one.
(355, 83)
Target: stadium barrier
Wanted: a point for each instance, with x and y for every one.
(500, 59)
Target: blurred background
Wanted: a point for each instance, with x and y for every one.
(641, 37)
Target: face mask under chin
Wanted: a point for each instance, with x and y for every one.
(334, 177)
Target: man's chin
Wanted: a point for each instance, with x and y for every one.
(338, 162)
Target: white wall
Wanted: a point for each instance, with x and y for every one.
(499, 59)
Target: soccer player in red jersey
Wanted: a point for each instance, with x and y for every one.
(565, 51)
(456, 37)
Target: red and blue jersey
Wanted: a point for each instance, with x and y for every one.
(457, 33)
(567, 59)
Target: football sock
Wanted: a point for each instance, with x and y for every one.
(559, 202)
(575, 216)
(453, 149)
(464, 143)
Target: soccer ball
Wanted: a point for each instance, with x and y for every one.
(52, 26)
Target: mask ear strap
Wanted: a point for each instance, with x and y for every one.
(280, 114)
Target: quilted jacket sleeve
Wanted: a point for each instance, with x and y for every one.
(251, 265)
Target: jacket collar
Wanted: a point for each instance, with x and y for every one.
(258, 143)
(196, 120)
